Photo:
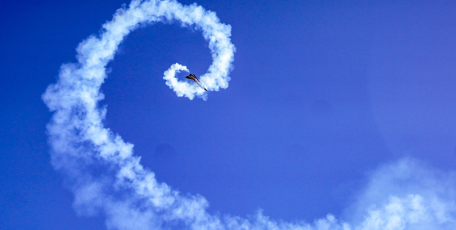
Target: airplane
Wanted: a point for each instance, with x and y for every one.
(193, 77)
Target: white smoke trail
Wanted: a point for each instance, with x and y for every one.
(106, 177)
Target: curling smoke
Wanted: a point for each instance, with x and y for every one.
(105, 176)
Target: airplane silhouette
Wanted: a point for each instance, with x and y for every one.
(193, 77)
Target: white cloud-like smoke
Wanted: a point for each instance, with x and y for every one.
(107, 178)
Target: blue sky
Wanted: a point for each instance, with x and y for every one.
(333, 107)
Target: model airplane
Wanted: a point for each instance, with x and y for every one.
(193, 77)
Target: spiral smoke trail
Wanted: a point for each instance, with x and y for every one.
(106, 178)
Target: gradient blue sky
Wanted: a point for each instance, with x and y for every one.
(322, 94)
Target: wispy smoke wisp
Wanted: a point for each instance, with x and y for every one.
(107, 178)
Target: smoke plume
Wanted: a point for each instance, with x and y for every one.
(107, 179)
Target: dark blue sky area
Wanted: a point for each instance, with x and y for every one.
(322, 92)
